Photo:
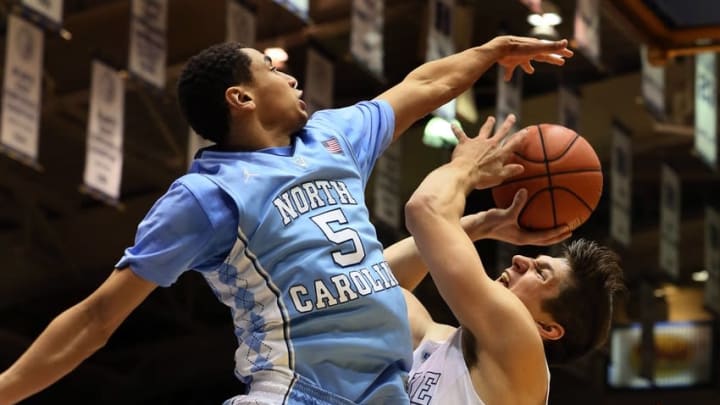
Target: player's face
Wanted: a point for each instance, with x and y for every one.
(534, 280)
(276, 95)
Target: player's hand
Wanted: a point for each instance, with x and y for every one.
(522, 51)
(485, 156)
(502, 224)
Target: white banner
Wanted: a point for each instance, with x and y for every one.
(712, 259)
(240, 24)
(706, 108)
(50, 9)
(387, 202)
(319, 79)
(104, 159)
(148, 41)
(22, 85)
(653, 86)
(366, 37)
(569, 108)
(195, 143)
(300, 8)
(587, 29)
(440, 42)
(621, 186)
(509, 98)
(670, 215)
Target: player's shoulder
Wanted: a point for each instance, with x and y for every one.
(346, 115)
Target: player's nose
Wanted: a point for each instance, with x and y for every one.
(521, 263)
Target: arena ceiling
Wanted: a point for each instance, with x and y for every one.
(59, 243)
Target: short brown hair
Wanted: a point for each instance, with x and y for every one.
(584, 305)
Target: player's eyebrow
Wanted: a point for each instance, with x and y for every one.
(268, 60)
(544, 265)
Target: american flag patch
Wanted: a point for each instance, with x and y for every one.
(332, 145)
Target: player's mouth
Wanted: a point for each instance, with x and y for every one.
(303, 105)
(504, 279)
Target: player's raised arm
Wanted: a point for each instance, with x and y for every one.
(435, 83)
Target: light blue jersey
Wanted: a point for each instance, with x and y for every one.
(283, 237)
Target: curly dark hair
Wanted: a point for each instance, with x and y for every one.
(202, 84)
(584, 305)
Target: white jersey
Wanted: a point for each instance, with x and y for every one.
(439, 374)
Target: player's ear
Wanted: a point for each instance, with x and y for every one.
(239, 98)
(550, 330)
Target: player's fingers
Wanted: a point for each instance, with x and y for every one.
(528, 68)
(554, 46)
(513, 169)
(555, 235)
(504, 128)
(487, 127)
(511, 143)
(459, 133)
(519, 200)
(551, 58)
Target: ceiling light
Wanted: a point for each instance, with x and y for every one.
(549, 17)
(700, 276)
(276, 54)
(545, 19)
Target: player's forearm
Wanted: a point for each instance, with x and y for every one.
(68, 340)
(442, 80)
(406, 264)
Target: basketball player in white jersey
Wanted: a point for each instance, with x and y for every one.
(559, 307)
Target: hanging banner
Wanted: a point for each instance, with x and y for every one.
(20, 128)
(440, 43)
(712, 259)
(240, 25)
(50, 10)
(670, 215)
(569, 109)
(706, 108)
(366, 37)
(319, 79)
(509, 98)
(587, 29)
(300, 8)
(621, 185)
(653, 86)
(195, 143)
(104, 158)
(387, 202)
(148, 41)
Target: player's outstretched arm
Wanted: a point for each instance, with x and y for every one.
(435, 83)
(496, 223)
(73, 336)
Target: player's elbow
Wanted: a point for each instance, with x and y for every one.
(97, 328)
(420, 207)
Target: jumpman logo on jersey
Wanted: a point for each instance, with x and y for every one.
(247, 175)
(300, 161)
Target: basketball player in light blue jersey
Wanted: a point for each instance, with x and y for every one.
(541, 310)
(275, 219)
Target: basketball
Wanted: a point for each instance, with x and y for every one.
(562, 175)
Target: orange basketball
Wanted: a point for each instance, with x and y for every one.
(562, 175)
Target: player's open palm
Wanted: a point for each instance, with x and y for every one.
(488, 154)
(522, 51)
(502, 224)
